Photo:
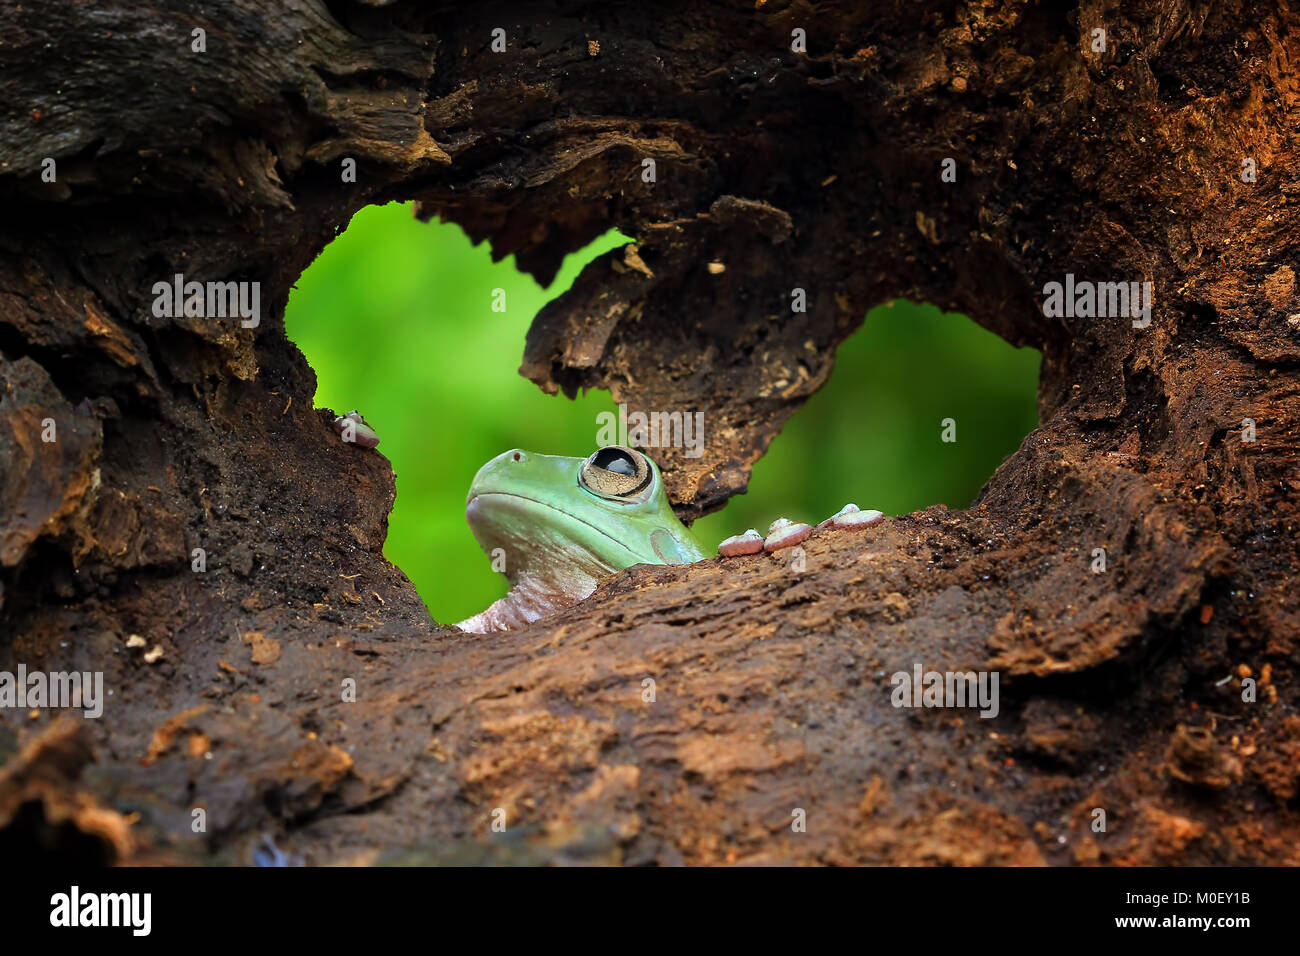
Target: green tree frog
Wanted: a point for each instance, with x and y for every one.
(557, 526)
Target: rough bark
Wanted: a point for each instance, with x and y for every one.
(818, 170)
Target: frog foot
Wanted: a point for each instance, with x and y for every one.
(781, 534)
(784, 533)
(354, 429)
(851, 516)
(751, 542)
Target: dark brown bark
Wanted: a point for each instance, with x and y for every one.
(816, 170)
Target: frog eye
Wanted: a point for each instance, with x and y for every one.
(616, 472)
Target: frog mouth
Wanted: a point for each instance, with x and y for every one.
(524, 503)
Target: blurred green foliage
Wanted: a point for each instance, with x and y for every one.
(396, 318)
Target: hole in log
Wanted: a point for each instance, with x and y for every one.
(418, 329)
(396, 317)
(875, 433)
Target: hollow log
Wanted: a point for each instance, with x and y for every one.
(1128, 574)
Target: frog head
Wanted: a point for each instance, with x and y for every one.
(563, 524)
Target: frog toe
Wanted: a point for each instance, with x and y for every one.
(851, 516)
(784, 534)
(751, 542)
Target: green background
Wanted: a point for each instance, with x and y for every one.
(396, 318)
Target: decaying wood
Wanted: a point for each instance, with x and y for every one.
(818, 170)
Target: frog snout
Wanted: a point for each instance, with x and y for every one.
(506, 461)
(490, 474)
